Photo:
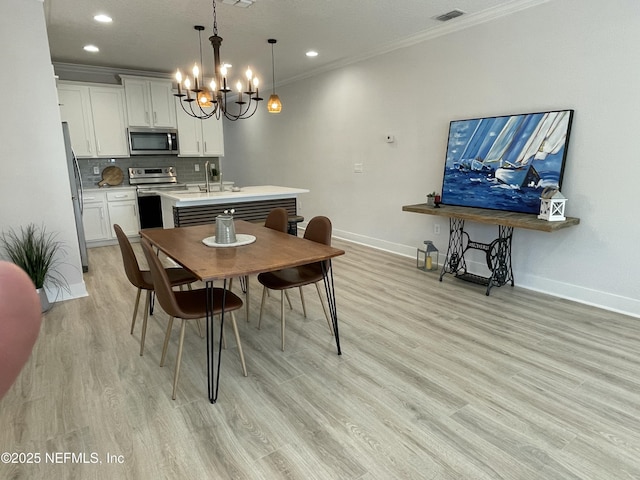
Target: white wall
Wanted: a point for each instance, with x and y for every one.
(34, 184)
(562, 54)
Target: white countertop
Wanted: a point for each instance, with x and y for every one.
(246, 194)
(106, 188)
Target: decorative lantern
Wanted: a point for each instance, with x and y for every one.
(552, 205)
(427, 257)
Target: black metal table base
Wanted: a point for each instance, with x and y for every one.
(327, 274)
(213, 367)
(497, 256)
(213, 363)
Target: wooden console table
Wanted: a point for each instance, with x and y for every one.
(498, 252)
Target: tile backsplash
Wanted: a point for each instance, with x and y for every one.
(185, 167)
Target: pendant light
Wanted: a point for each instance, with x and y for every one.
(274, 105)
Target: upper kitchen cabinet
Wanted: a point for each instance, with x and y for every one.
(199, 138)
(150, 102)
(96, 117)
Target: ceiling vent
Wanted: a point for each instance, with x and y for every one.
(450, 15)
(239, 3)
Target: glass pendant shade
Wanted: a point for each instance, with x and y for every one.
(274, 105)
(204, 99)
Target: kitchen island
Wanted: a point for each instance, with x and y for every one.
(182, 208)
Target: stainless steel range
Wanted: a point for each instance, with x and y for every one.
(149, 181)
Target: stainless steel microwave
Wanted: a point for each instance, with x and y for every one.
(153, 141)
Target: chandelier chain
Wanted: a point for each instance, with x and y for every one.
(215, 19)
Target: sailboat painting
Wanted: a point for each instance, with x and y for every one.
(504, 163)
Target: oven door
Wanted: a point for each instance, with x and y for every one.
(150, 209)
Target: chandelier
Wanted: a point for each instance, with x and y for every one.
(203, 101)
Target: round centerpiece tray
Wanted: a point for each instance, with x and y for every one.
(241, 239)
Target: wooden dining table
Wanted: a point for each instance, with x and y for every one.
(271, 250)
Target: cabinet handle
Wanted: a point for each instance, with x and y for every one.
(101, 212)
(155, 117)
(88, 146)
(198, 145)
(122, 195)
(205, 147)
(89, 198)
(98, 147)
(146, 117)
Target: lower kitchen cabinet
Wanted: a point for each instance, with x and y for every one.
(123, 210)
(95, 216)
(103, 208)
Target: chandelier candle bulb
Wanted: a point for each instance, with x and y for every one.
(196, 74)
(187, 86)
(179, 81)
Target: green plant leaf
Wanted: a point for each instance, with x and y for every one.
(35, 251)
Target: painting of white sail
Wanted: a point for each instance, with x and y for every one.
(504, 163)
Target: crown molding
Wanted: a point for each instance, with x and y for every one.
(92, 73)
(460, 23)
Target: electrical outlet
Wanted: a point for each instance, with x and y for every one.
(96, 170)
(358, 168)
(436, 228)
(197, 167)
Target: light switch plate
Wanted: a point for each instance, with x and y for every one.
(96, 170)
(358, 168)
(197, 167)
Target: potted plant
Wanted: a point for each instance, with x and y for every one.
(431, 199)
(35, 251)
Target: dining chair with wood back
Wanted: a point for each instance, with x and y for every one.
(188, 305)
(141, 279)
(318, 230)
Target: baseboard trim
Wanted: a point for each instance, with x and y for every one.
(76, 290)
(607, 301)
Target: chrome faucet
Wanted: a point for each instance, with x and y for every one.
(206, 176)
(221, 184)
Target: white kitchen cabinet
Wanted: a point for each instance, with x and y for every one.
(96, 117)
(123, 210)
(199, 138)
(95, 216)
(150, 102)
(103, 208)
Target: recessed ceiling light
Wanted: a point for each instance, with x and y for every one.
(103, 18)
(91, 48)
(311, 53)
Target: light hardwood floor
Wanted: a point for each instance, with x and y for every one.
(436, 381)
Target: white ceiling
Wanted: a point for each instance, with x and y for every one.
(158, 35)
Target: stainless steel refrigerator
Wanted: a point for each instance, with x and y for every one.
(76, 195)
